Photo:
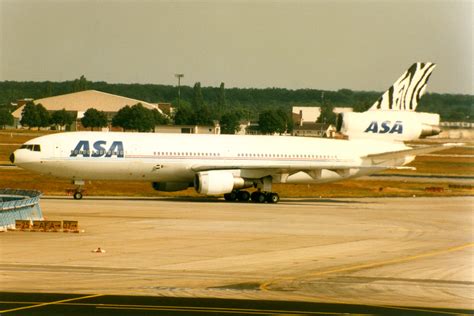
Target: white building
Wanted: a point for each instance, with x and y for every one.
(306, 113)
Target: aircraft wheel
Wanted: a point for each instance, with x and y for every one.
(255, 196)
(77, 195)
(232, 196)
(261, 198)
(258, 197)
(273, 198)
(243, 196)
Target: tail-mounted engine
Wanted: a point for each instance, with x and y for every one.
(388, 125)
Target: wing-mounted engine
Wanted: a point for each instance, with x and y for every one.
(388, 125)
(219, 182)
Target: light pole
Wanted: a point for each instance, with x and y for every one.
(179, 76)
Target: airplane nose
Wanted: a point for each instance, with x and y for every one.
(12, 158)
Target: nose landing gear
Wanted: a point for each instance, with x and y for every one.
(77, 192)
(77, 195)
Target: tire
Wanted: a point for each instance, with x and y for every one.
(232, 196)
(254, 195)
(273, 198)
(261, 198)
(77, 195)
(243, 196)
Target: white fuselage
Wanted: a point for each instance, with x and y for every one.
(177, 157)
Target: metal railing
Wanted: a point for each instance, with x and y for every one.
(18, 204)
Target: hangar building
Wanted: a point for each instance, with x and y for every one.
(78, 103)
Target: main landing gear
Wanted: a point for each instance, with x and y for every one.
(257, 196)
(242, 196)
(262, 195)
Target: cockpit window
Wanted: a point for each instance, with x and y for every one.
(32, 147)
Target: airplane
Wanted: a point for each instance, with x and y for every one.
(229, 164)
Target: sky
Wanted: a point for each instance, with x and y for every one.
(358, 45)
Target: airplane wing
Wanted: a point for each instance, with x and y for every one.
(277, 168)
(412, 151)
(285, 168)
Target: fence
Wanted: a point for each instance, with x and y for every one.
(18, 204)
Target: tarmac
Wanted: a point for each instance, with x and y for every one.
(414, 253)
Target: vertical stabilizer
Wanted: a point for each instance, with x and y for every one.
(405, 93)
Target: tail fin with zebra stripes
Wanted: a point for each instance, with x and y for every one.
(405, 93)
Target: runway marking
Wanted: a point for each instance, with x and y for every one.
(50, 303)
(264, 286)
(417, 309)
(172, 308)
(435, 310)
(224, 310)
(219, 310)
(396, 260)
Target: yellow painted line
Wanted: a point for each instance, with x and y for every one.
(222, 310)
(435, 310)
(49, 303)
(168, 307)
(173, 307)
(235, 310)
(396, 260)
(264, 286)
(413, 309)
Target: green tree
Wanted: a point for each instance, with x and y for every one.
(202, 113)
(30, 116)
(221, 102)
(62, 118)
(141, 118)
(230, 122)
(121, 119)
(198, 100)
(44, 117)
(136, 118)
(359, 107)
(184, 115)
(94, 118)
(327, 115)
(278, 121)
(270, 122)
(287, 117)
(159, 118)
(81, 84)
(6, 118)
